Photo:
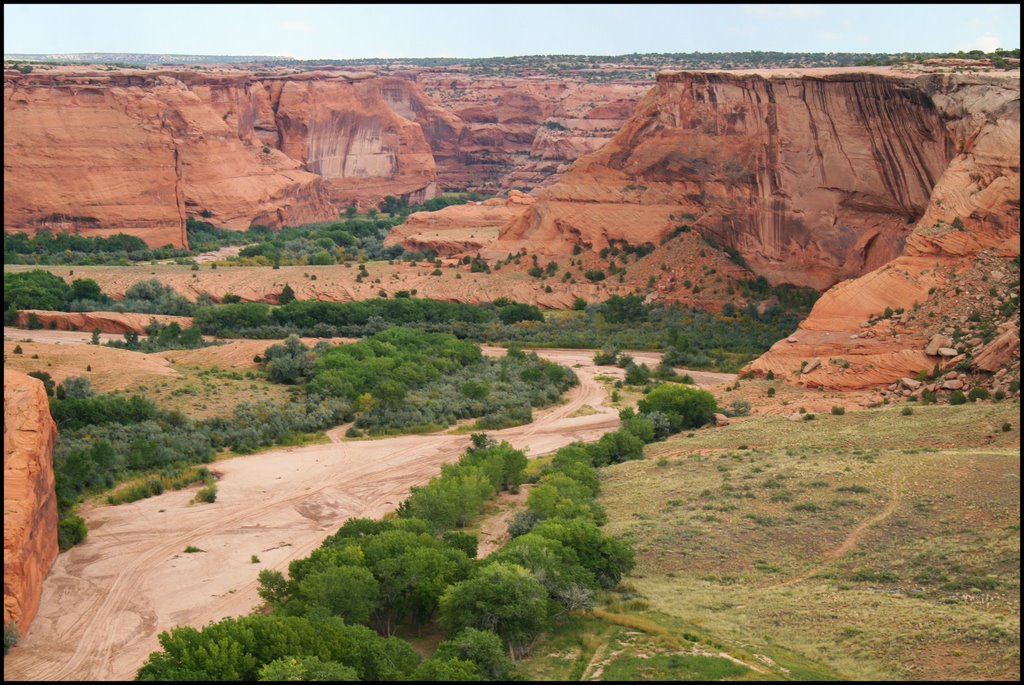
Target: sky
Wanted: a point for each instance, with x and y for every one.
(376, 31)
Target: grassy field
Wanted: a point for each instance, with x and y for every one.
(867, 545)
(198, 389)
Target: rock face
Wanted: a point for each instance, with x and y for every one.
(812, 177)
(975, 206)
(138, 152)
(30, 502)
(519, 132)
(133, 151)
(106, 322)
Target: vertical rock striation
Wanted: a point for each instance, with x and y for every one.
(30, 501)
(813, 178)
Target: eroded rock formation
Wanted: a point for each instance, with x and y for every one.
(106, 322)
(30, 501)
(972, 221)
(811, 177)
(138, 152)
(102, 152)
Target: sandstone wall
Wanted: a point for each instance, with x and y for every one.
(30, 502)
(813, 179)
(138, 152)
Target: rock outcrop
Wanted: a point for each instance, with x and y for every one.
(30, 501)
(459, 229)
(971, 221)
(812, 177)
(106, 322)
(138, 152)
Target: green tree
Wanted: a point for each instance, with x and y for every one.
(287, 294)
(504, 599)
(306, 668)
(481, 647)
(350, 592)
(684, 406)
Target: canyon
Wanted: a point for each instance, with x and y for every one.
(138, 151)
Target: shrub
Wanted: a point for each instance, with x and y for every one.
(70, 531)
(957, 397)
(1007, 427)
(838, 411)
(17, 349)
(606, 357)
(11, 635)
(684, 406)
(907, 411)
(207, 494)
(192, 549)
(978, 393)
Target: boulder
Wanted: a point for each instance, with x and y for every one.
(937, 341)
(955, 384)
(1003, 349)
(721, 420)
(811, 366)
(947, 352)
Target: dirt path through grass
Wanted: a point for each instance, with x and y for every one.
(854, 537)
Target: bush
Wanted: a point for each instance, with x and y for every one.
(838, 411)
(71, 531)
(207, 494)
(907, 411)
(978, 393)
(684, 406)
(11, 635)
(957, 397)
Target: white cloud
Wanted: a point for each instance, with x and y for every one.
(787, 12)
(986, 43)
(296, 26)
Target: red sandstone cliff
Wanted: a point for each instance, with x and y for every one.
(138, 152)
(813, 178)
(954, 263)
(30, 502)
(102, 152)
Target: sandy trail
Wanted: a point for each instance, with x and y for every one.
(855, 535)
(106, 600)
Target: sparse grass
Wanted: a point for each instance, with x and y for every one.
(941, 572)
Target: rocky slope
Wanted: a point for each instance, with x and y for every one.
(30, 502)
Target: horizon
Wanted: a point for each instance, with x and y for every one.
(354, 32)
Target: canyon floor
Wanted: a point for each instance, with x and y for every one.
(106, 600)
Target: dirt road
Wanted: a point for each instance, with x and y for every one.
(106, 600)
